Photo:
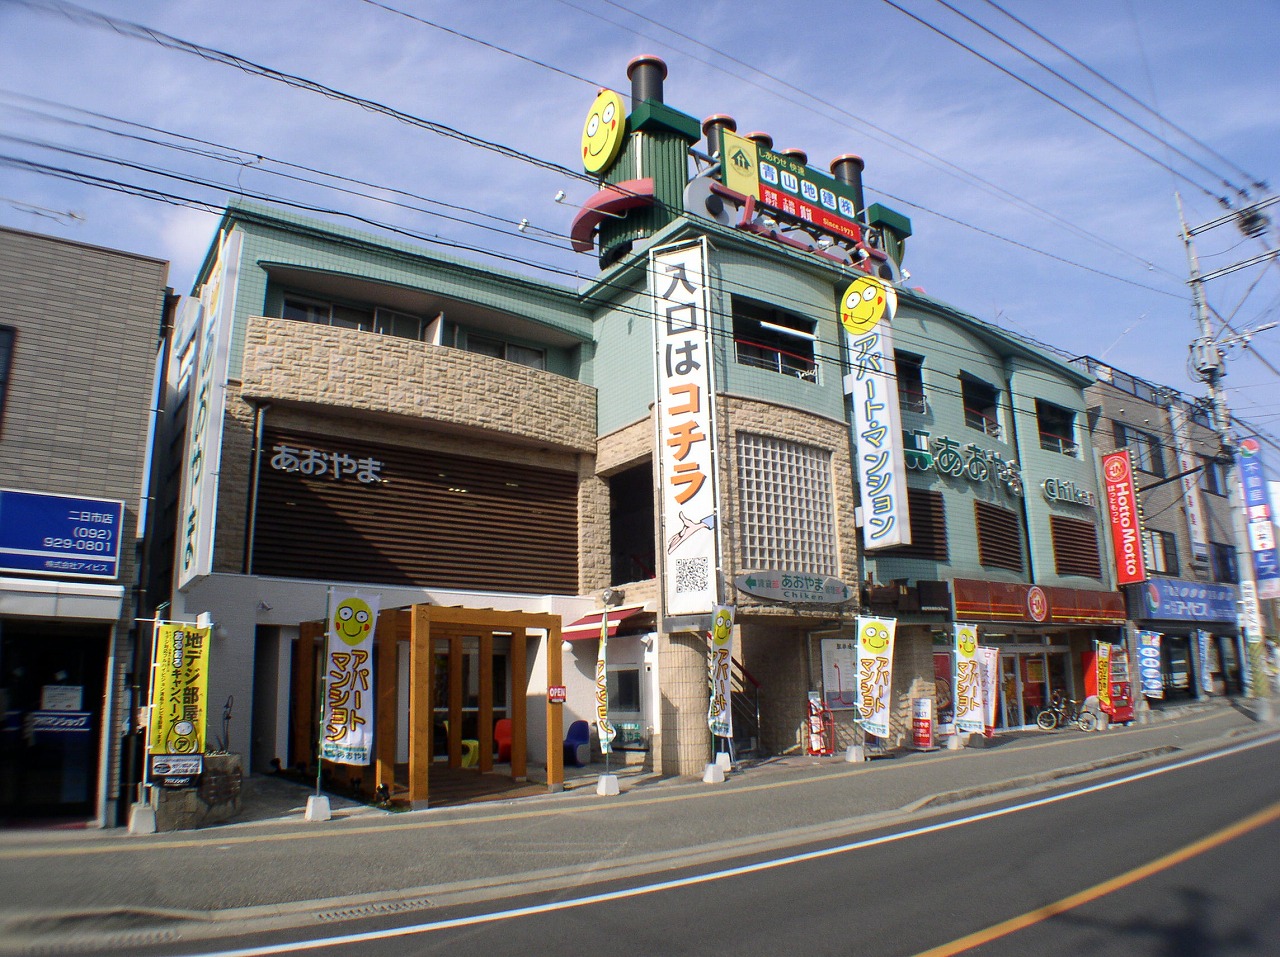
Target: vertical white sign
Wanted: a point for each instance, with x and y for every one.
(205, 405)
(685, 445)
(866, 309)
(1191, 501)
(604, 727)
(989, 667)
(968, 683)
(875, 673)
(720, 710)
(348, 698)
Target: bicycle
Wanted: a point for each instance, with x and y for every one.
(1058, 715)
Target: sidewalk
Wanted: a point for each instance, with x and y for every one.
(274, 868)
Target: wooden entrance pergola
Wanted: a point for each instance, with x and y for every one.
(422, 626)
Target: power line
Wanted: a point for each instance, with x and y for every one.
(1256, 181)
(1081, 90)
(1049, 96)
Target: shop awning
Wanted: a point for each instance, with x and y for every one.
(588, 626)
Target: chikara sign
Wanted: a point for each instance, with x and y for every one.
(794, 586)
(1126, 526)
(59, 535)
(686, 439)
(866, 310)
(1066, 490)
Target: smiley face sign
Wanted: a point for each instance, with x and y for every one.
(352, 621)
(865, 302)
(722, 626)
(874, 637)
(603, 131)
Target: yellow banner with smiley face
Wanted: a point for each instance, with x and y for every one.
(875, 673)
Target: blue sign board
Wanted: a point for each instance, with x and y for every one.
(60, 535)
(1150, 671)
(1259, 518)
(1171, 599)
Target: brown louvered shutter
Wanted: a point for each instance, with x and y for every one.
(999, 536)
(928, 527)
(1075, 547)
(434, 519)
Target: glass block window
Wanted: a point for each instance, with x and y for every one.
(786, 505)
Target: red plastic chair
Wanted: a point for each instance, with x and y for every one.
(502, 738)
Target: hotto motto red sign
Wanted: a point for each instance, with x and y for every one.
(1122, 507)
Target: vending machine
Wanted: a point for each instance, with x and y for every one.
(1106, 676)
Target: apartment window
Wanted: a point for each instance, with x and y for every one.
(910, 382)
(1213, 476)
(999, 536)
(1145, 448)
(928, 527)
(1223, 559)
(767, 338)
(508, 351)
(1075, 547)
(1160, 551)
(981, 406)
(328, 313)
(786, 505)
(7, 336)
(398, 324)
(1057, 427)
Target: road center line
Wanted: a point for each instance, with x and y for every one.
(300, 946)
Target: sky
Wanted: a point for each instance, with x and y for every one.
(1054, 220)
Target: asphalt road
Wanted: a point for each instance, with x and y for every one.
(1172, 860)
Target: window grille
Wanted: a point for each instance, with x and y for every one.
(786, 505)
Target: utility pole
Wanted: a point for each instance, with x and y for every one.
(1209, 362)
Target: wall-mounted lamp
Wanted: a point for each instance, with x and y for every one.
(613, 596)
(566, 646)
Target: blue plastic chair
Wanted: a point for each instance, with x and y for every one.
(577, 744)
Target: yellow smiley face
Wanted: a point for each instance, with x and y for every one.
(722, 627)
(864, 303)
(874, 637)
(353, 620)
(967, 643)
(603, 131)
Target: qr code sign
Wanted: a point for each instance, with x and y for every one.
(692, 575)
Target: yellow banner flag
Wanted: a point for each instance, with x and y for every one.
(180, 690)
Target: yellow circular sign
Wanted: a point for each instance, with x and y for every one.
(874, 637)
(865, 302)
(352, 620)
(602, 133)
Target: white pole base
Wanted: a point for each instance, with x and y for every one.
(318, 808)
(854, 754)
(142, 819)
(607, 785)
(713, 774)
(954, 742)
(722, 759)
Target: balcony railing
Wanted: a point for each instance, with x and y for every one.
(910, 400)
(1058, 443)
(761, 356)
(982, 421)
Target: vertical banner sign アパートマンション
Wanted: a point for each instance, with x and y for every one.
(866, 310)
(720, 712)
(348, 704)
(968, 679)
(875, 673)
(685, 444)
(1125, 516)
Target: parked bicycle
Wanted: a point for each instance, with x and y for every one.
(1062, 713)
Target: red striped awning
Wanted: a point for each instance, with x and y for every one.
(588, 626)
